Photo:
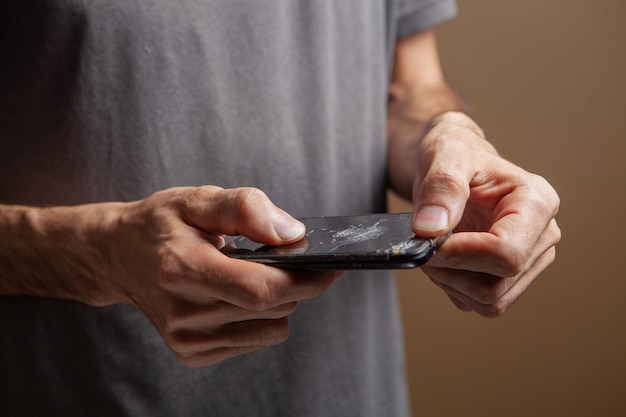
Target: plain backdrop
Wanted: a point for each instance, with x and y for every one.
(546, 80)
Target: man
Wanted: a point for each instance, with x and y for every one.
(110, 269)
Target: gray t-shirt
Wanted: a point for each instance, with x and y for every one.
(116, 99)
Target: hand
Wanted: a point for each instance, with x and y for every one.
(207, 306)
(504, 217)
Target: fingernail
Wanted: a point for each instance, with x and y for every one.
(288, 228)
(431, 219)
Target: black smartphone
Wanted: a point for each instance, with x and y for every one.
(373, 241)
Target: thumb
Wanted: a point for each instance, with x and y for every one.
(247, 211)
(439, 200)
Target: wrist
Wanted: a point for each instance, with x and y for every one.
(458, 130)
(58, 252)
(457, 119)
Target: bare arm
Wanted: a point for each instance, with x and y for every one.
(504, 217)
(418, 93)
(162, 256)
(58, 252)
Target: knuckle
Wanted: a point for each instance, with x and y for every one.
(545, 196)
(196, 194)
(486, 297)
(256, 295)
(556, 233)
(492, 310)
(190, 197)
(286, 309)
(201, 194)
(283, 334)
(512, 263)
(246, 201)
(186, 200)
(171, 324)
(175, 319)
(441, 180)
(180, 344)
(278, 332)
(491, 293)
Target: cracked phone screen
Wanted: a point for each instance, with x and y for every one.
(374, 241)
(333, 235)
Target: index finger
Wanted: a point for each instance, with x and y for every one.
(521, 220)
(259, 287)
(249, 285)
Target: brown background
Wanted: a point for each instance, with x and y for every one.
(546, 80)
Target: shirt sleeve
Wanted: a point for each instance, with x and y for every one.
(417, 15)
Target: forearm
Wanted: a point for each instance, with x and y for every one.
(56, 252)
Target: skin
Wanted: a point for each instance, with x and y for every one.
(504, 216)
(161, 254)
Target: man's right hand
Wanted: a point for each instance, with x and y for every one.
(162, 255)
